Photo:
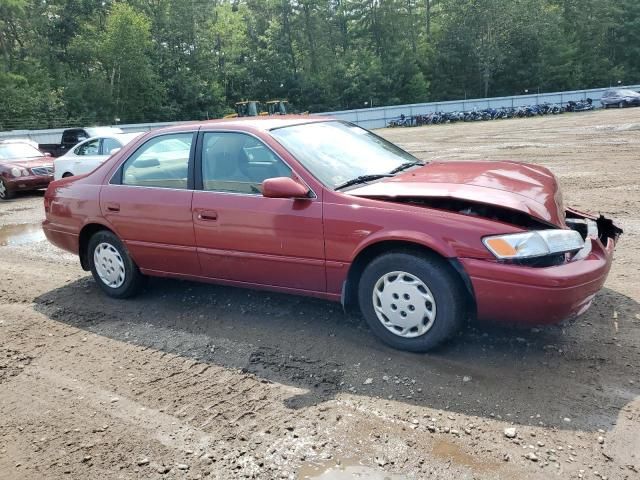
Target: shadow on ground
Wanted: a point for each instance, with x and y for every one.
(580, 370)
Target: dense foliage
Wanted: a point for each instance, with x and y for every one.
(83, 62)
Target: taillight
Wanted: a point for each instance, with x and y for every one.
(47, 204)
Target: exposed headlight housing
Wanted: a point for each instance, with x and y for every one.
(537, 243)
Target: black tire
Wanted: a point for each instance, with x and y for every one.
(67, 175)
(133, 279)
(449, 294)
(5, 193)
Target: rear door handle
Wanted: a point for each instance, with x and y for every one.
(208, 215)
(113, 207)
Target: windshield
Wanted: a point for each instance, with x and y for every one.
(336, 152)
(12, 151)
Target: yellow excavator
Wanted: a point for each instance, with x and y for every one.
(277, 107)
(254, 108)
(247, 108)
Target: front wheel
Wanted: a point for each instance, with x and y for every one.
(412, 302)
(113, 269)
(5, 193)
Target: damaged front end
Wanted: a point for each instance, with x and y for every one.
(590, 226)
(556, 243)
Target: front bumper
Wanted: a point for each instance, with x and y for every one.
(30, 182)
(538, 296)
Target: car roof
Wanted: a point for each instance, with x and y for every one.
(261, 123)
(126, 137)
(265, 122)
(101, 131)
(18, 140)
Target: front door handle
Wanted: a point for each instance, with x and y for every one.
(208, 215)
(113, 207)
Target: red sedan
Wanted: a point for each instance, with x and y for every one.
(23, 167)
(320, 207)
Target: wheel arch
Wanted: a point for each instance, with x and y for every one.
(86, 233)
(373, 250)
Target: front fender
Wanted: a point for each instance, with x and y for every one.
(407, 236)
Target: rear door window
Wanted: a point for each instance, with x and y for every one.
(162, 162)
(109, 144)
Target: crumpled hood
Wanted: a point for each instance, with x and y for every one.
(530, 189)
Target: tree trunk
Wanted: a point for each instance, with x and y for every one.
(427, 4)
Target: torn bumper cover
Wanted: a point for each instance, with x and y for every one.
(537, 296)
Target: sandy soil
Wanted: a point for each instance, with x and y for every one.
(199, 381)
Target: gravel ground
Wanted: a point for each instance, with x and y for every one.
(202, 381)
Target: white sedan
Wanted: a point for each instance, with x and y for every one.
(87, 155)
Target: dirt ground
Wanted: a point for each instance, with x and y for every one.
(200, 381)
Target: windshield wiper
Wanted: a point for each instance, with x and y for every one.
(404, 166)
(362, 179)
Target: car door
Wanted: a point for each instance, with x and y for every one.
(242, 236)
(148, 203)
(87, 156)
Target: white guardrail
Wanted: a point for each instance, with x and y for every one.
(377, 117)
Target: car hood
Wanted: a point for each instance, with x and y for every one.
(530, 189)
(29, 162)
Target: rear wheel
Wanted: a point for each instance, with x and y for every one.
(5, 193)
(67, 174)
(112, 267)
(412, 302)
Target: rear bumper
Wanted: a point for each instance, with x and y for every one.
(31, 182)
(61, 239)
(538, 296)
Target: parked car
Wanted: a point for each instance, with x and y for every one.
(72, 136)
(620, 98)
(324, 208)
(22, 167)
(28, 141)
(90, 153)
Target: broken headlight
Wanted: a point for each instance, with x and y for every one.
(538, 243)
(585, 227)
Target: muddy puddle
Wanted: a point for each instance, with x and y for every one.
(348, 469)
(14, 235)
(450, 452)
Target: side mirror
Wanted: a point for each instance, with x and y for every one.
(283, 187)
(114, 150)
